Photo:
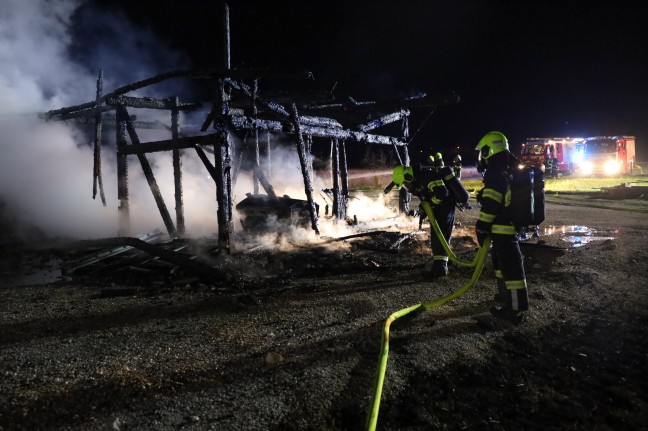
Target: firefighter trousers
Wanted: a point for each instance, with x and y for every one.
(509, 270)
(444, 215)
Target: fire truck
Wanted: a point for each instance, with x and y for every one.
(608, 155)
(568, 153)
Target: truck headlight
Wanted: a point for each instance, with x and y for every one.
(612, 167)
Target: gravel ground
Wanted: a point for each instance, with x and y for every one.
(296, 346)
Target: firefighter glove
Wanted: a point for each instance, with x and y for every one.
(465, 206)
(482, 233)
(480, 193)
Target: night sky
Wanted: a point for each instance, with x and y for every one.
(526, 68)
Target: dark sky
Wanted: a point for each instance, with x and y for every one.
(526, 68)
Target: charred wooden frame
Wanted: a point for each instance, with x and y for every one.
(238, 108)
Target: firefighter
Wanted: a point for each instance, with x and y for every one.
(456, 166)
(436, 186)
(549, 165)
(494, 220)
(437, 160)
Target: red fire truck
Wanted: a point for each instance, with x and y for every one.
(568, 153)
(608, 155)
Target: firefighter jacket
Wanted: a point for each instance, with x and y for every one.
(428, 185)
(495, 200)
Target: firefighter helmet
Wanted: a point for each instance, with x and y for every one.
(438, 160)
(402, 174)
(491, 144)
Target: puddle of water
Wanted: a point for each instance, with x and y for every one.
(577, 236)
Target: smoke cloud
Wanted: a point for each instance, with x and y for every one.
(51, 52)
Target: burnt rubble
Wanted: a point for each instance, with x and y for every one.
(239, 107)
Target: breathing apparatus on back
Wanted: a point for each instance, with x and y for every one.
(527, 203)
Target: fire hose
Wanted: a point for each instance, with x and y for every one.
(453, 257)
(478, 264)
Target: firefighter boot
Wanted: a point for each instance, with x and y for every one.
(502, 296)
(439, 269)
(508, 314)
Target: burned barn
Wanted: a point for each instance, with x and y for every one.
(258, 107)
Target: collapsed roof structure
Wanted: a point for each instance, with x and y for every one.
(239, 106)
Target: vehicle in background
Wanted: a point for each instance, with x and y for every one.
(608, 155)
(568, 152)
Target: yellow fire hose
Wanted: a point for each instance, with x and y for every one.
(428, 211)
(372, 417)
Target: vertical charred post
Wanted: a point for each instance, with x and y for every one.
(335, 173)
(267, 165)
(344, 179)
(255, 178)
(97, 179)
(306, 167)
(177, 167)
(148, 173)
(122, 175)
(226, 44)
(223, 170)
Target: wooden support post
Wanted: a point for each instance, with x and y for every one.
(226, 39)
(267, 165)
(97, 179)
(122, 176)
(148, 173)
(177, 167)
(306, 167)
(344, 179)
(335, 174)
(264, 182)
(255, 178)
(223, 170)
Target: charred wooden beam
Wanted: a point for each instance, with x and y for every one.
(151, 103)
(383, 121)
(208, 165)
(97, 179)
(84, 113)
(226, 39)
(240, 122)
(177, 166)
(205, 271)
(335, 174)
(344, 180)
(271, 106)
(150, 178)
(137, 85)
(258, 172)
(420, 100)
(169, 144)
(122, 174)
(208, 119)
(255, 178)
(223, 169)
(307, 169)
(112, 122)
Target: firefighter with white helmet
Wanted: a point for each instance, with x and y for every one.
(496, 161)
(456, 165)
(435, 185)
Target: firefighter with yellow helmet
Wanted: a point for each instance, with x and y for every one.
(496, 162)
(436, 186)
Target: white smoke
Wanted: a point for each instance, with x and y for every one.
(46, 168)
